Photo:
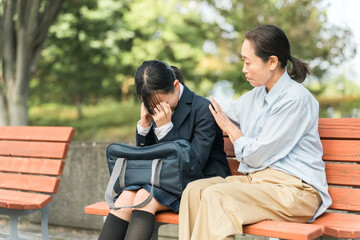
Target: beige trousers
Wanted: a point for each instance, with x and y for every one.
(217, 208)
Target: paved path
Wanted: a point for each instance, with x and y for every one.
(32, 231)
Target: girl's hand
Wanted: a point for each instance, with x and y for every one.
(145, 117)
(162, 114)
(224, 122)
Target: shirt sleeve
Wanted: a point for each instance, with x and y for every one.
(283, 129)
(161, 132)
(143, 131)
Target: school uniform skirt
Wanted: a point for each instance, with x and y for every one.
(160, 195)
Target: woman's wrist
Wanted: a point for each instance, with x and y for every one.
(234, 133)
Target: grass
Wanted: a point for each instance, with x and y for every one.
(107, 121)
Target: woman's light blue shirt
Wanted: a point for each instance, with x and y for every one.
(281, 132)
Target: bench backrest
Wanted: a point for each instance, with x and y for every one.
(31, 157)
(340, 138)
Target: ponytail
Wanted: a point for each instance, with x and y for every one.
(269, 41)
(299, 70)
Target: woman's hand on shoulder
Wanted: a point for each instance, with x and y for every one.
(224, 122)
(162, 114)
(145, 117)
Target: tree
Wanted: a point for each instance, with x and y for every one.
(305, 23)
(94, 48)
(24, 26)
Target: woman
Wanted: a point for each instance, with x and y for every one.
(169, 111)
(277, 145)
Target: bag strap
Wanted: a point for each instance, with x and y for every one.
(119, 172)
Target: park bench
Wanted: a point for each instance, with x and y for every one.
(30, 163)
(341, 144)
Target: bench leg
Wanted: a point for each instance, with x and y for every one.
(14, 228)
(45, 212)
(155, 234)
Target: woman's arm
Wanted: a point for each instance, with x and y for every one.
(284, 128)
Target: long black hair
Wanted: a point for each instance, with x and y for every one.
(151, 78)
(269, 41)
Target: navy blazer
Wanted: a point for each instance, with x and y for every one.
(194, 122)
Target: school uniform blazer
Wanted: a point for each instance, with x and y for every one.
(194, 122)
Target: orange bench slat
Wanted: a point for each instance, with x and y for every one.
(44, 184)
(32, 165)
(228, 147)
(340, 225)
(347, 199)
(343, 174)
(33, 149)
(334, 150)
(34, 133)
(285, 230)
(341, 150)
(23, 200)
(99, 208)
(339, 128)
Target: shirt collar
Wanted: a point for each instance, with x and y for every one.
(279, 86)
(181, 90)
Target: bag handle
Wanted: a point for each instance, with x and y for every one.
(119, 172)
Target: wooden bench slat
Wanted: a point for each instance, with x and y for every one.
(32, 165)
(284, 230)
(340, 225)
(33, 133)
(29, 182)
(234, 166)
(33, 149)
(334, 150)
(228, 147)
(343, 174)
(339, 128)
(341, 232)
(99, 208)
(23, 200)
(341, 150)
(347, 199)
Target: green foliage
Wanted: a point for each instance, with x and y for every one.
(106, 121)
(340, 107)
(95, 47)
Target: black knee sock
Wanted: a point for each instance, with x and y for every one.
(141, 226)
(114, 228)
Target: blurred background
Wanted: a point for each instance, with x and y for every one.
(72, 63)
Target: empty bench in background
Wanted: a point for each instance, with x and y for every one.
(341, 143)
(31, 159)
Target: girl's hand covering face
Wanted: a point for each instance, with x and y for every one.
(162, 114)
(145, 117)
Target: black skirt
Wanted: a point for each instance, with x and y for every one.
(160, 195)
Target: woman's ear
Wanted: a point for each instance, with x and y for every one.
(273, 62)
(177, 85)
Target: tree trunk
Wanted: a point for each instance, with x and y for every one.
(3, 110)
(22, 40)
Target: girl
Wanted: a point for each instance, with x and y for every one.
(169, 111)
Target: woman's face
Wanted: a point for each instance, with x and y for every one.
(257, 72)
